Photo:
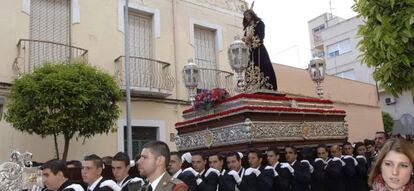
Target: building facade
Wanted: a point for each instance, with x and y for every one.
(164, 34)
(335, 39)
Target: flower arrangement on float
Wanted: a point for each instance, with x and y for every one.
(206, 99)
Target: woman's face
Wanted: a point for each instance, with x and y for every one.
(396, 169)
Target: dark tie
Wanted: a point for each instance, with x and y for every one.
(149, 188)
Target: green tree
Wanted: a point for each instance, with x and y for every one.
(387, 42)
(388, 122)
(69, 98)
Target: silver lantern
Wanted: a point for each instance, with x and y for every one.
(238, 54)
(317, 67)
(191, 78)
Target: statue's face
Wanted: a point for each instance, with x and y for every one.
(247, 15)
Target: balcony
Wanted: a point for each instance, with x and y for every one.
(148, 77)
(33, 53)
(213, 78)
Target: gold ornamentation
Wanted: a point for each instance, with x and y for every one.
(306, 129)
(208, 138)
(255, 79)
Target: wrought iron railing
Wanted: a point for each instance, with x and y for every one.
(213, 78)
(147, 76)
(33, 53)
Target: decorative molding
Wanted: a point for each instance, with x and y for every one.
(261, 131)
(156, 23)
(231, 7)
(218, 29)
(75, 8)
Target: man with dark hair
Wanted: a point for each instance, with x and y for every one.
(348, 149)
(235, 178)
(349, 170)
(120, 169)
(264, 175)
(371, 153)
(153, 164)
(380, 138)
(334, 170)
(92, 167)
(176, 172)
(318, 180)
(55, 177)
(216, 161)
(281, 182)
(206, 180)
(301, 170)
(74, 164)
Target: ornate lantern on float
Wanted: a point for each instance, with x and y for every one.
(191, 78)
(317, 67)
(238, 54)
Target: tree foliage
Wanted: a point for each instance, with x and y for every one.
(70, 98)
(388, 122)
(387, 42)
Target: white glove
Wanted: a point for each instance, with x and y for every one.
(361, 157)
(336, 159)
(310, 166)
(187, 157)
(190, 169)
(131, 163)
(199, 181)
(240, 155)
(137, 179)
(76, 187)
(235, 176)
(250, 170)
(271, 168)
(319, 159)
(350, 157)
(212, 170)
(111, 184)
(287, 165)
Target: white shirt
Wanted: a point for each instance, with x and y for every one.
(156, 181)
(122, 183)
(95, 183)
(177, 173)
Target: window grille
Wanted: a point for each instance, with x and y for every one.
(205, 57)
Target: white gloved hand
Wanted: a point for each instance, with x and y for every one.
(337, 159)
(361, 157)
(350, 157)
(137, 179)
(240, 155)
(75, 187)
(287, 165)
(235, 176)
(273, 169)
(111, 184)
(187, 157)
(199, 181)
(212, 170)
(319, 159)
(310, 166)
(250, 170)
(190, 169)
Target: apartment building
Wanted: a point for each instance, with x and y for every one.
(335, 39)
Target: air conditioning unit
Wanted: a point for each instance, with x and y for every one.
(390, 100)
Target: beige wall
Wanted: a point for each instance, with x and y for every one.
(358, 99)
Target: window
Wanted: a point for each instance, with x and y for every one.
(205, 48)
(140, 136)
(318, 28)
(49, 21)
(349, 74)
(339, 48)
(140, 45)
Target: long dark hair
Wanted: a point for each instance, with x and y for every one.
(255, 18)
